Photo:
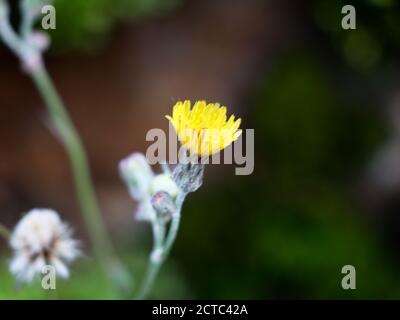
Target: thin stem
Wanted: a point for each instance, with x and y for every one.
(155, 262)
(101, 244)
(27, 18)
(7, 34)
(164, 248)
(158, 234)
(151, 275)
(4, 232)
(61, 121)
(173, 230)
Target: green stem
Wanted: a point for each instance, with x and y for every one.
(154, 265)
(150, 277)
(4, 232)
(173, 232)
(151, 274)
(8, 35)
(164, 248)
(27, 18)
(61, 121)
(101, 244)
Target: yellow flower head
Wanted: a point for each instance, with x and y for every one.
(204, 129)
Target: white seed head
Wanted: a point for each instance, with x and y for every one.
(40, 238)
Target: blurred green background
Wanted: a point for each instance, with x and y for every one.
(323, 102)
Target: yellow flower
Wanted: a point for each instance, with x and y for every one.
(204, 129)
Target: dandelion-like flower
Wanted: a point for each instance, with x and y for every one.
(40, 238)
(204, 129)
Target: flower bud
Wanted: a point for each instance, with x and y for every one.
(164, 182)
(137, 174)
(145, 211)
(189, 177)
(163, 205)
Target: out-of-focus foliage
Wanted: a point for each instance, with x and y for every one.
(375, 41)
(87, 282)
(287, 231)
(86, 24)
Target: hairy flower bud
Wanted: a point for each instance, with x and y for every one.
(145, 211)
(189, 177)
(164, 182)
(163, 205)
(137, 174)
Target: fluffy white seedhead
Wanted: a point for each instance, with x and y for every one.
(40, 238)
